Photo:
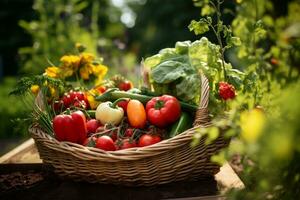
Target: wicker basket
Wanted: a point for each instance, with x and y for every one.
(167, 161)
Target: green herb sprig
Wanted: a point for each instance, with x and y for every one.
(218, 27)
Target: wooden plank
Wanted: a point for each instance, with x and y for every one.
(24, 153)
(228, 179)
(27, 153)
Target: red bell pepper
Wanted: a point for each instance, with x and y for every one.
(163, 111)
(71, 128)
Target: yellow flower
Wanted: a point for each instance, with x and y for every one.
(52, 91)
(252, 124)
(87, 58)
(53, 72)
(99, 71)
(70, 61)
(66, 72)
(85, 71)
(35, 89)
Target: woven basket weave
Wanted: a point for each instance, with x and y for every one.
(167, 161)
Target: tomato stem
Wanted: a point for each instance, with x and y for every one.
(159, 104)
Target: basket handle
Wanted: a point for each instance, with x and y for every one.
(202, 114)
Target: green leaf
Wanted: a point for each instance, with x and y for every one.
(152, 61)
(170, 71)
(207, 10)
(189, 88)
(235, 77)
(235, 41)
(199, 27)
(182, 47)
(203, 54)
(213, 133)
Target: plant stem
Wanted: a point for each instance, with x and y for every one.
(256, 19)
(218, 35)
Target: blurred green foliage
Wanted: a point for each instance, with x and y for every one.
(55, 33)
(12, 112)
(264, 117)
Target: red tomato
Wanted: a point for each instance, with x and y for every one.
(129, 132)
(123, 104)
(127, 143)
(113, 135)
(163, 111)
(105, 143)
(92, 125)
(88, 142)
(148, 139)
(99, 129)
(125, 85)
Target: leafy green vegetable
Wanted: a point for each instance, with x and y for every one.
(176, 71)
(169, 71)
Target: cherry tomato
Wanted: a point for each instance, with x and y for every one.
(105, 143)
(125, 85)
(123, 104)
(92, 125)
(99, 129)
(148, 139)
(127, 143)
(129, 132)
(113, 135)
(90, 142)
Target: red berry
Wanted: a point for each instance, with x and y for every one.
(274, 61)
(58, 106)
(67, 100)
(226, 91)
(80, 104)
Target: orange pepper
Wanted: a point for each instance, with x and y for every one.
(136, 114)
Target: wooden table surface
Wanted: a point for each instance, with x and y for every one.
(226, 179)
